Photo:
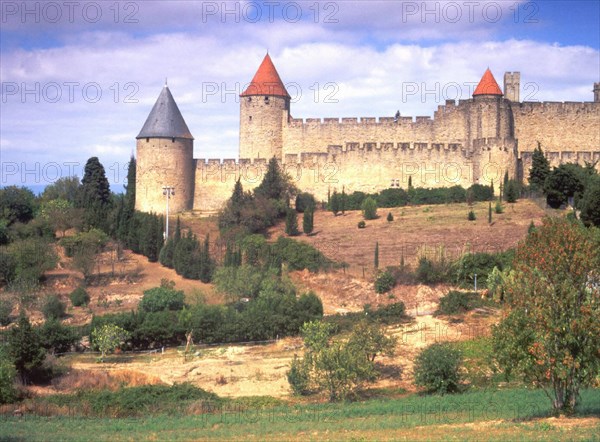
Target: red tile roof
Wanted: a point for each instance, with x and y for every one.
(266, 81)
(487, 85)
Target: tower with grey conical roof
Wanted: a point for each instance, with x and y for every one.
(165, 149)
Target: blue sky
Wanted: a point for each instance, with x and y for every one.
(79, 80)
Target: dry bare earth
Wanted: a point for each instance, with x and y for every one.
(417, 230)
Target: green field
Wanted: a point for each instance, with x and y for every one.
(516, 414)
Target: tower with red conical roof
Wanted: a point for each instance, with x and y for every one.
(264, 109)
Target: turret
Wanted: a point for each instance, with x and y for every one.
(164, 158)
(264, 109)
(512, 86)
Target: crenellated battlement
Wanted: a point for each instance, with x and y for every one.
(557, 106)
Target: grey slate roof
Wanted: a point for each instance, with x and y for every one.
(165, 119)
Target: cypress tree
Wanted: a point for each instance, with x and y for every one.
(205, 262)
(343, 200)
(376, 257)
(291, 223)
(490, 213)
(540, 169)
(95, 195)
(308, 220)
(335, 203)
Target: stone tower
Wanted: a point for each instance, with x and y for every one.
(512, 86)
(264, 109)
(491, 132)
(597, 92)
(164, 158)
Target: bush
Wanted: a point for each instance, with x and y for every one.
(299, 377)
(384, 282)
(471, 216)
(57, 338)
(390, 217)
(480, 264)
(430, 272)
(79, 297)
(291, 223)
(162, 298)
(5, 310)
(369, 208)
(299, 255)
(437, 368)
(305, 200)
(8, 393)
(53, 308)
(498, 208)
(387, 314)
(458, 302)
(362, 224)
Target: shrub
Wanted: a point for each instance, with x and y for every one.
(53, 308)
(362, 225)
(291, 223)
(305, 200)
(55, 337)
(299, 376)
(161, 298)
(512, 191)
(79, 297)
(457, 302)
(498, 208)
(471, 216)
(299, 255)
(8, 393)
(430, 272)
(369, 208)
(384, 282)
(437, 368)
(390, 217)
(5, 310)
(480, 264)
(388, 314)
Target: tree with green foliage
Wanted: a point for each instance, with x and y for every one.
(384, 282)
(376, 255)
(343, 201)
(437, 368)
(185, 256)
(337, 366)
(17, 204)
(308, 220)
(162, 298)
(369, 208)
(31, 257)
(107, 338)
(55, 337)
(498, 208)
(590, 203)
(207, 264)
(8, 373)
(66, 188)
(390, 217)
(565, 181)
(512, 191)
(291, 223)
(335, 203)
(53, 308)
(549, 333)
(490, 214)
(95, 196)
(25, 349)
(540, 169)
(61, 215)
(167, 252)
(127, 208)
(275, 185)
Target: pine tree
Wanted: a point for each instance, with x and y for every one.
(308, 220)
(291, 223)
(540, 169)
(376, 257)
(95, 195)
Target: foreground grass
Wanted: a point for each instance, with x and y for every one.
(482, 415)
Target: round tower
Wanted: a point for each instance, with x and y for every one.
(491, 132)
(164, 159)
(264, 109)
